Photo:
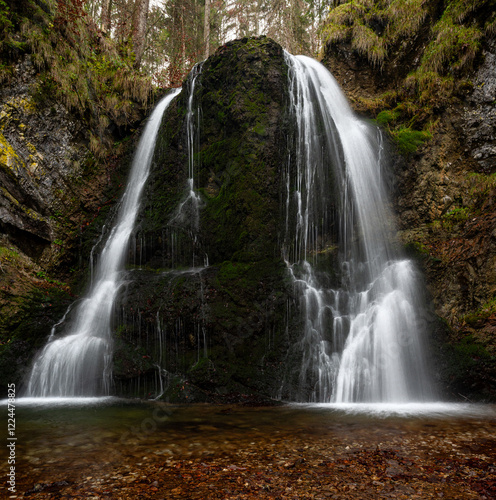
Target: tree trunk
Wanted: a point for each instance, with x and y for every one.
(139, 30)
(183, 43)
(105, 17)
(255, 17)
(206, 28)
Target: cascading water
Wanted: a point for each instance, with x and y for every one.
(183, 260)
(362, 336)
(185, 222)
(188, 211)
(79, 363)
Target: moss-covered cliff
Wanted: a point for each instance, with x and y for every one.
(225, 326)
(215, 332)
(424, 69)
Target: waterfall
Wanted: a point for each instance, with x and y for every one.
(79, 363)
(183, 259)
(187, 214)
(362, 337)
(183, 227)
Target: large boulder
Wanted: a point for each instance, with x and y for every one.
(220, 330)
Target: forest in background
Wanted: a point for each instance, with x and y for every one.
(167, 37)
(103, 59)
(109, 55)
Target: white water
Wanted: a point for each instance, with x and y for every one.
(185, 221)
(429, 409)
(187, 214)
(79, 363)
(363, 333)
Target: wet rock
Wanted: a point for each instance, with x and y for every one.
(479, 127)
(42, 148)
(444, 197)
(225, 325)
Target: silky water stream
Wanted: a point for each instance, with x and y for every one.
(363, 338)
(79, 363)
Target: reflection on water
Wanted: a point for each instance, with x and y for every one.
(66, 439)
(414, 410)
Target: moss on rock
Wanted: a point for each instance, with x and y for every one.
(226, 326)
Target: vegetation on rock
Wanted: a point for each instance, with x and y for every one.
(69, 100)
(412, 69)
(78, 66)
(225, 326)
(428, 47)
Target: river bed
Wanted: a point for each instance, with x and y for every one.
(114, 448)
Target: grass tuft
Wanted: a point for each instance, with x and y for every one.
(377, 28)
(367, 42)
(408, 140)
(454, 48)
(78, 65)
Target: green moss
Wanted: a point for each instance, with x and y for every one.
(9, 255)
(388, 116)
(233, 270)
(222, 323)
(409, 140)
(237, 158)
(467, 369)
(477, 317)
(260, 129)
(471, 369)
(469, 352)
(216, 155)
(456, 215)
(417, 249)
(204, 372)
(374, 27)
(376, 31)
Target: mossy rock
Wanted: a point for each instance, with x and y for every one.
(26, 332)
(469, 370)
(223, 329)
(242, 94)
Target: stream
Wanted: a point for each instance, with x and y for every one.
(115, 448)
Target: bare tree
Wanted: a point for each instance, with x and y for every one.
(206, 28)
(105, 16)
(139, 29)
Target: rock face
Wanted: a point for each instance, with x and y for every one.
(52, 194)
(449, 218)
(444, 200)
(222, 329)
(40, 159)
(188, 331)
(479, 117)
